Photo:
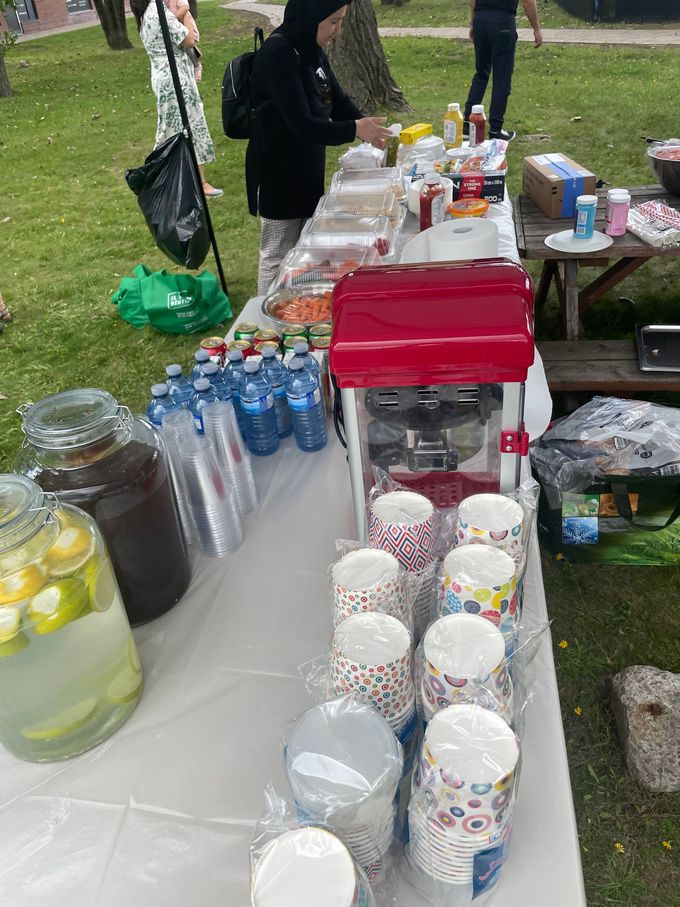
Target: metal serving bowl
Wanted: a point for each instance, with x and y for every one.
(667, 172)
(307, 289)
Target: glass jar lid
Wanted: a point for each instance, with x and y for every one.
(71, 419)
(22, 509)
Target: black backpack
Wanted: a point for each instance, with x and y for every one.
(237, 111)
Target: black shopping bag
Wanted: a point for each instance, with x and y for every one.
(169, 195)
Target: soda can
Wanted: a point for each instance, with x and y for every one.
(216, 348)
(294, 330)
(244, 345)
(319, 343)
(266, 343)
(267, 336)
(246, 330)
(319, 330)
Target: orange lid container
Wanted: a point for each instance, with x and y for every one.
(468, 207)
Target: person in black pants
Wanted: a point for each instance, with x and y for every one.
(494, 35)
(299, 108)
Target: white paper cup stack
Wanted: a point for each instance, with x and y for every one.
(491, 519)
(344, 764)
(464, 662)
(462, 793)
(478, 579)
(402, 522)
(308, 866)
(368, 579)
(220, 425)
(371, 656)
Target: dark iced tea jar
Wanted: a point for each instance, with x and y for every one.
(97, 456)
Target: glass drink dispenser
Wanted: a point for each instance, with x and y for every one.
(430, 361)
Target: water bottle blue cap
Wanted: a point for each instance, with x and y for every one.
(268, 352)
(250, 366)
(159, 390)
(173, 371)
(296, 363)
(201, 384)
(235, 355)
(301, 347)
(201, 355)
(210, 368)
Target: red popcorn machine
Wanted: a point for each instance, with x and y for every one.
(430, 363)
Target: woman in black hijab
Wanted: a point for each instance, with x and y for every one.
(299, 109)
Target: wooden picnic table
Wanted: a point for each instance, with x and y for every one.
(532, 226)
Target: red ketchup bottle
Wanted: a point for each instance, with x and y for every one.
(431, 201)
(477, 125)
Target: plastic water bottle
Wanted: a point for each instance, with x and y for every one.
(301, 349)
(161, 403)
(201, 356)
(304, 400)
(233, 373)
(180, 389)
(257, 404)
(203, 395)
(219, 384)
(276, 373)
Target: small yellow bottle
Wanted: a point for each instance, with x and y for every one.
(453, 127)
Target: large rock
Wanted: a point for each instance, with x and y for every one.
(647, 711)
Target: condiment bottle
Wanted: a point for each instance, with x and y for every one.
(477, 125)
(616, 215)
(431, 201)
(453, 127)
(584, 224)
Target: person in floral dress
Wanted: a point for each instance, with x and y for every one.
(169, 119)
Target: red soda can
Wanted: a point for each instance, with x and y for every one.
(216, 348)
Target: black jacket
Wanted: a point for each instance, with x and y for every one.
(303, 110)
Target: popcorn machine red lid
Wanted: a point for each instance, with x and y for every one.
(432, 324)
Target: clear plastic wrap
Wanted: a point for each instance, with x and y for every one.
(380, 203)
(462, 801)
(362, 157)
(607, 437)
(344, 765)
(369, 181)
(323, 263)
(363, 232)
(293, 864)
(368, 579)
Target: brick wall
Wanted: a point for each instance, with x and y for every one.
(53, 14)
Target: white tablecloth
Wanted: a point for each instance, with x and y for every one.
(161, 814)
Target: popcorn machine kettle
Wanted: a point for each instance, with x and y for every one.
(430, 361)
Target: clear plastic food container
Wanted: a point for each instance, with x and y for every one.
(370, 181)
(346, 230)
(305, 266)
(381, 202)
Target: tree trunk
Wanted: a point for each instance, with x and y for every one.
(359, 62)
(112, 17)
(5, 87)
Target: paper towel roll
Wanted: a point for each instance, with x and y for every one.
(459, 240)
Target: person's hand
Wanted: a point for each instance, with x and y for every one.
(371, 130)
(538, 37)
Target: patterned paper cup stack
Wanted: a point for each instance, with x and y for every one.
(308, 866)
(481, 580)
(344, 764)
(371, 656)
(462, 797)
(368, 579)
(402, 522)
(491, 519)
(464, 662)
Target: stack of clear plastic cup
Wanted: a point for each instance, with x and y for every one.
(371, 656)
(464, 662)
(212, 498)
(221, 427)
(462, 798)
(344, 765)
(176, 424)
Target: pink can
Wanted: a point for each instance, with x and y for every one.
(616, 215)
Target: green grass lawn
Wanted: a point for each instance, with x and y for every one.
(70, 228)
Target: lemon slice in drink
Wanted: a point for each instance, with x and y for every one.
(133, 657)
(126, 687)
(101, 584)
(21, 584)
(15, 645)
(72, 549)
(66, 722)
(57, 605)
(10, 620)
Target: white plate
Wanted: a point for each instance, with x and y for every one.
(565, 242)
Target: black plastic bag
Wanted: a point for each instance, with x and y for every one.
(170, 199)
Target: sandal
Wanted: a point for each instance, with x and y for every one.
(5, 314)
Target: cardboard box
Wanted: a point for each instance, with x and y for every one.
(554, 181)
